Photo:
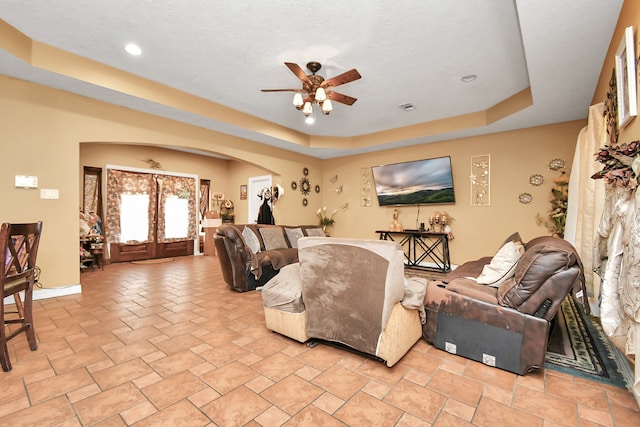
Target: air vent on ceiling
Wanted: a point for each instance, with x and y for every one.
(407, 106)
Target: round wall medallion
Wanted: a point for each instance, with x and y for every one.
(305, 186)
(294, 185)
(525, 198)
(317, 188)
(536, 179)
(305, 171)
(305, 202)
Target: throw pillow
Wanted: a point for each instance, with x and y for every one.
(273, 238)
(293, 234)
(251, 239)
(315, 232)
(502, 265)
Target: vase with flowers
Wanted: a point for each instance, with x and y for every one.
(557, 217)
(326, 221)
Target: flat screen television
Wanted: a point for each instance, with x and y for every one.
(418, 182)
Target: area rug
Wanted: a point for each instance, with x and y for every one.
(578, 346)
(153, 261)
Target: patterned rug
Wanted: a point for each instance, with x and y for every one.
(577, 344)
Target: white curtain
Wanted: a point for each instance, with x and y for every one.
(586, 197)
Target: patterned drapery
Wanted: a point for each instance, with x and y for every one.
(122, 182)
(91, 194)
(205, 186)
(184, 188)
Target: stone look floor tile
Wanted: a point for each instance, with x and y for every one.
(172, 344)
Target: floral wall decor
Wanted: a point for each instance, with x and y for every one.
(556, 218)
(481, 180)
(621, 164)
(366, 187)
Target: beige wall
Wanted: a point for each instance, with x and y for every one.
(629, 15)
(478, 231)
(45, 128)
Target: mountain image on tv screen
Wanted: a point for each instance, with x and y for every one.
(419, 182)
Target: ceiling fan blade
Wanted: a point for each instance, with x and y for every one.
(281, 90)
(343, 99)
(299, 72)
(341, 79)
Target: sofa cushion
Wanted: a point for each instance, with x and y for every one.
(544, 257)
(273, 238)
(284, 291)
(315, 232)
(502, 265)
(251, 239)
(293, 234)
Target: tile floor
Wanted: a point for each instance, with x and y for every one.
(170, 344)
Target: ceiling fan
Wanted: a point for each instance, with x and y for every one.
(317, 90)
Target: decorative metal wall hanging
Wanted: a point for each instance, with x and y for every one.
(536, 179)
(611, 110)
(556, 164)
(481, 180)
(366, 186)
(525, 198)
(305, 186)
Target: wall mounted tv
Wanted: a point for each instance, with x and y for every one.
(419, 182)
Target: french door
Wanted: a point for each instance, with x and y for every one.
(150, 215)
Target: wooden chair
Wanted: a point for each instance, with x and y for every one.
(20, 248)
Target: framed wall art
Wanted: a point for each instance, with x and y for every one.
(626, 79)
(243, 192)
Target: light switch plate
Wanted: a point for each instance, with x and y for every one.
(26, 181)
(49, 193)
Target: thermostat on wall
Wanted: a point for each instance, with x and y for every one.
(25, 181)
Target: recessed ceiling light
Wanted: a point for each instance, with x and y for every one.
(469, 78)
(133, 49)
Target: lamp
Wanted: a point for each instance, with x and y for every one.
(307, 109)
(326, 106)
(297, 100)
(318, 96)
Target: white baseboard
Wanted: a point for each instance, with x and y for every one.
(45, 293)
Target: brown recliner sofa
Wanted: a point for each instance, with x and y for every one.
(251, 254)
(505, 326)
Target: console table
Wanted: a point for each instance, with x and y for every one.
(420, 247)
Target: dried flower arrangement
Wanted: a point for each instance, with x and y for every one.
(556, 218)
(621, 164)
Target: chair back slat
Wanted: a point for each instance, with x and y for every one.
(19, 249)
(20, 245)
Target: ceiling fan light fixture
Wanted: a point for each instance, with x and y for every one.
(321, 95)
(307, 109)
(297, 99)
(327, 106)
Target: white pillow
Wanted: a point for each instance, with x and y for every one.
(502, 265)
(251, 239)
